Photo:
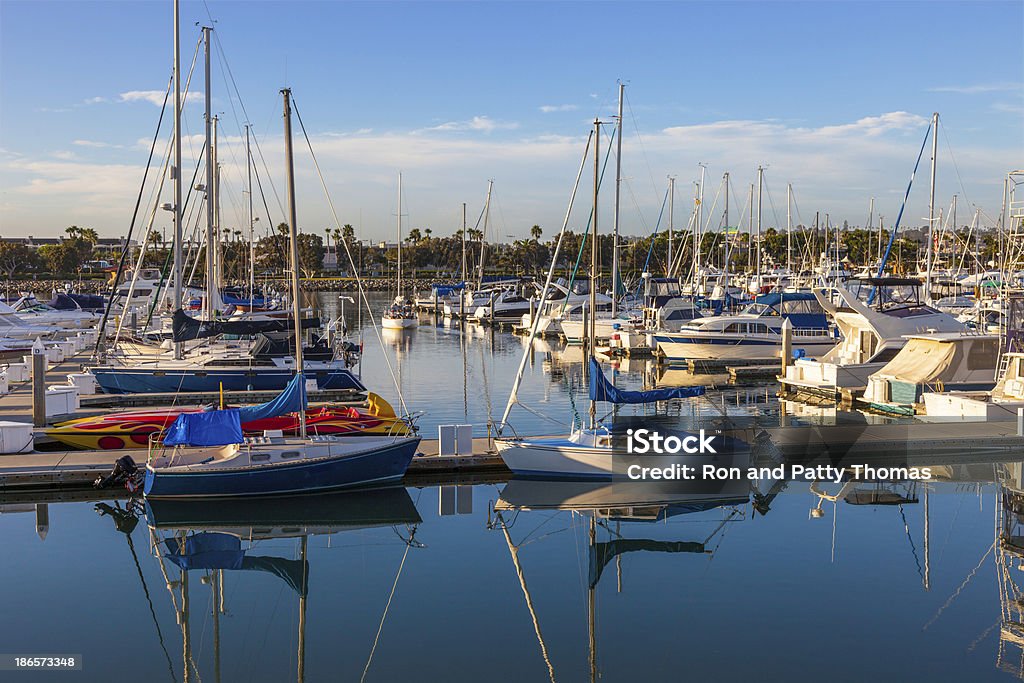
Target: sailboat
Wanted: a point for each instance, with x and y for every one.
(399, 316)
(584, 452)
(206, 455)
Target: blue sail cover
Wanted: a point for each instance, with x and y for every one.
(602, 390)
(217, 550)
(213, 428)
(291, 400)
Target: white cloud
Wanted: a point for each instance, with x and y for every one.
(978, 88)
(94, 100)
(1008, 107)
(479, 123)
(549, 108)
(92, 143)
(154, 96)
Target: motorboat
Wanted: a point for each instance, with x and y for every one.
(753, 334)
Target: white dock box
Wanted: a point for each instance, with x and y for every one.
(62, 400)
(55, 354)
(17, 372)
(455, 440)
(84, 381)
(15, 437)
(67, 348)
(4, 386)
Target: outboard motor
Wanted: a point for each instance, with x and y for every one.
(125, 473)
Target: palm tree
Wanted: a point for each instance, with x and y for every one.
(89, 235)
(536, 232)
(427, 232)
(414, 235)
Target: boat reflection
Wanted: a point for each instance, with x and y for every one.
(604, 508)
(214, 538)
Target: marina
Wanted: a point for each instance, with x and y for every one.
(389, 341)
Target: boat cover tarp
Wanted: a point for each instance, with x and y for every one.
(603, 390)
(213, 428)
(924, 361)
(603, 553)
(72, 302)
(185, 328)
(214, 550)
(447, 290)
(291, 400)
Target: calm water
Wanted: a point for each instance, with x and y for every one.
(776, 597)
(563, 582)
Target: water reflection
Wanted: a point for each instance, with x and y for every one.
(220, 541)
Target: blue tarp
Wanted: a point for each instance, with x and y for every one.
(216, 550)
(602, 390)
(291, 400)
(447, 290)
(215, 428)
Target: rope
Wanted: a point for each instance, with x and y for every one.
(359, 283)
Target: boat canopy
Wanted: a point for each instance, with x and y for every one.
(291, 400)
(603, 390)
(186, 328)
(213, 428)
(447, 290)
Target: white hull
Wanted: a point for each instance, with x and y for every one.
(738, 348)
(555, 458)
(398, 323)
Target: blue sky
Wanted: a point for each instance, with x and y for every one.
(833, 97)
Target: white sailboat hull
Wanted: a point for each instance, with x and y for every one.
(398, 323)
(555, 457)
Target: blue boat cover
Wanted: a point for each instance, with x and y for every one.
(213, 428)
(446, 290)
(291, 400)
(603, 390)
(217, 550)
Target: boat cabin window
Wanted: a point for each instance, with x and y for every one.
(982, 354)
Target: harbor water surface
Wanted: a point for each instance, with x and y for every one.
(888, 582)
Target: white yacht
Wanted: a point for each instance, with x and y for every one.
(753, 334)
(873, 315)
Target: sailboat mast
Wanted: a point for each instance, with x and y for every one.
(789, 228)
(725, 262)
(483, 236)
(592, 332)
(931, 210)
(294, 235)
(615, 219)
(208, 299)
(252, 239)
(176, 171)
(465, 275)
(399, 234)
(698, 226)
(301, 654)
(671, 219)
(760, 185)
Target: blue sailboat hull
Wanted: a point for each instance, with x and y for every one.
(374, 467)
(154, 381)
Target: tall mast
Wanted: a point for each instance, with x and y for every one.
(871, 214)
(483, 236)
(293, 231)
(697, 228)
(931, 209)
(725, 264)
(789, 228)
(671, 218)
(593, 259)
(218, 256)
(399, 234)
(465, 275)
(954, 219)
(760, 185)
(210, 284)
(176, 171)
(615, 219)
(252, 239)
(750, 228)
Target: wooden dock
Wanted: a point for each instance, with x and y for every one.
(78, 469)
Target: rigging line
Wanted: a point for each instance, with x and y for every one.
(960, 588)
(899, 216)
(640, 139)
(152, 612)
(528, 347)
(384, 616)
(348, 252)
(956, 169)
(100, 338)
(913, 548)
